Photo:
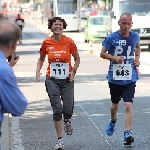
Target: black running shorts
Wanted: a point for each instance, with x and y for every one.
(122, 91)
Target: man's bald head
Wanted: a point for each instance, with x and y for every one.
(126, 14)
(9, 33)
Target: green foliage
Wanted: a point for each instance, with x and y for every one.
(23, 1)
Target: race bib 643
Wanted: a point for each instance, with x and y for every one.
(122, 72)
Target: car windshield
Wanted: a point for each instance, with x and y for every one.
(88, 9)
(97, 21)
(135, 7)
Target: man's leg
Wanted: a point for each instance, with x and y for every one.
(128, 119)
(115, 92)
(113, 111)
(20, 41)
(128, 95)
(111, 125)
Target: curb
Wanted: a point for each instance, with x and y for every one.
(15, 134)
(5, 137)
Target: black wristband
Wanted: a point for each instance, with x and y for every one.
(74, 71)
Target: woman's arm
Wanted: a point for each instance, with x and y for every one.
(39, 67)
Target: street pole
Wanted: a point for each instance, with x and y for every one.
(42, 12)
(79, 3)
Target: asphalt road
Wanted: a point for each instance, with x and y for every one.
(92, 100)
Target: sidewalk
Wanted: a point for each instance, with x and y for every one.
(5, 138)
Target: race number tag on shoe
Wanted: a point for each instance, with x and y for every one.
(59, 70)
(19, 22)
(122, 72)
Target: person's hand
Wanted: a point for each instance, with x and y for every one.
(136, 62)
(38, 74)
(119, 59)
(13, 60)
(72, 74)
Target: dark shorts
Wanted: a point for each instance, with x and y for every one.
(21, 32)
(122, 91)
(61, 94)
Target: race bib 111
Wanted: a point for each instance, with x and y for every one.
(122, 72)
(59, 70)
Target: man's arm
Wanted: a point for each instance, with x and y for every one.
(12, 99)
(137, 52)
(23, 22)
(105, 55)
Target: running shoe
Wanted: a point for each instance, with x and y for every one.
(110, 129)
(68, 127)
(59, 144)
(128, 138)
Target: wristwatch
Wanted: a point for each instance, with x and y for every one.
(74, 70)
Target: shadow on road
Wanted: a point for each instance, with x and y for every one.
(39, 133)
(27, 52)
(80, 78)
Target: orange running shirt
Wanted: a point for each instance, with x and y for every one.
(58, 51)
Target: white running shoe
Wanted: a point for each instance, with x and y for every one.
(59, 144)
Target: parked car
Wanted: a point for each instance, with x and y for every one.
(85, 12)
(95, 28)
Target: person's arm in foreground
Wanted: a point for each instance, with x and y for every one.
(12, 99)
